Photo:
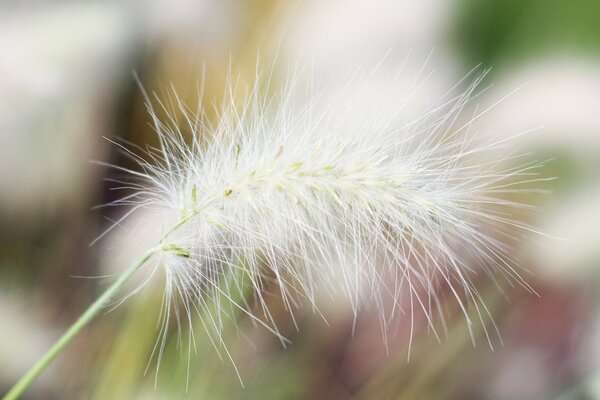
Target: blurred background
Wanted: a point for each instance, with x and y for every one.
(66, 80)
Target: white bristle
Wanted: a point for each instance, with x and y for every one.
(344, 191)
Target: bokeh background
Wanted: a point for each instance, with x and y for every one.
(67, 79)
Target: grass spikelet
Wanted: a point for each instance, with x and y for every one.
(351, 190)
(345, 190)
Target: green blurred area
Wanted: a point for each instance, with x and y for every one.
(496, 33)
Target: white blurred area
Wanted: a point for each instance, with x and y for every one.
(405, 40)
(558, 93)
(61, 67)
(30, 334)
(57, 67)
(557, 97)
(338, 32)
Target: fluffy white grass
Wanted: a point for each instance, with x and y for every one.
(345, 191)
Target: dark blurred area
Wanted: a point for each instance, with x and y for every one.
(67, 80)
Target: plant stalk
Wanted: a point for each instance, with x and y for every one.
(19, 388)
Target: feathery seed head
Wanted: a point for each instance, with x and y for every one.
(340, 192)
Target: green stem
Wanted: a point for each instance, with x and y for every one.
(18, 389)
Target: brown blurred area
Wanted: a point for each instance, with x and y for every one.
(67, 79)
